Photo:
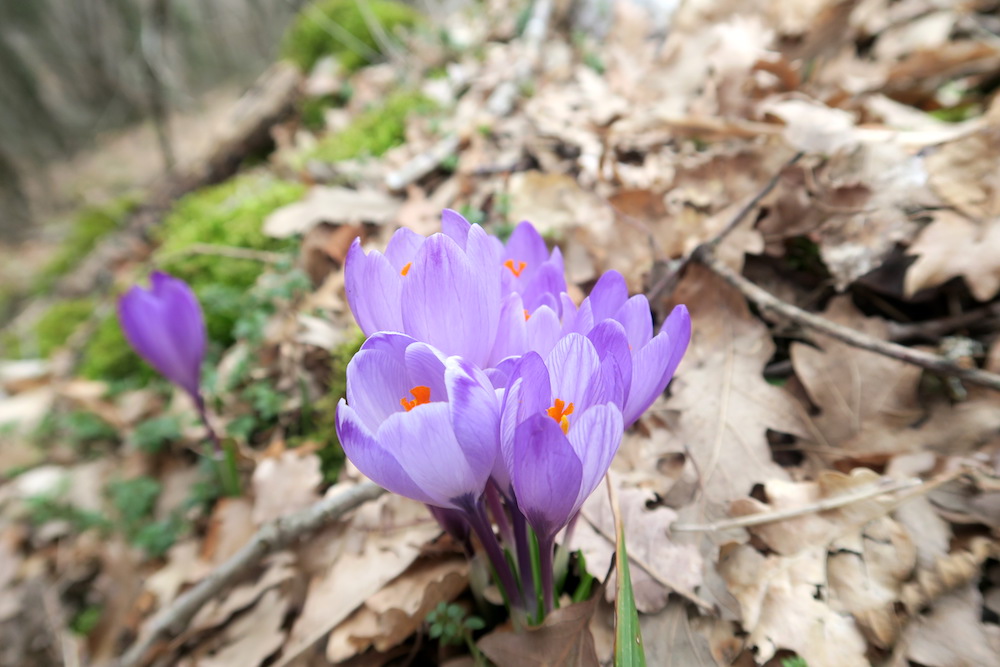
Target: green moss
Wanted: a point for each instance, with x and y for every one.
(108, 357)
(231, 214)
(373, 132)
(87, 228)
(59, 322)
(338, 28)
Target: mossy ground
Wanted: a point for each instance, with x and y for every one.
(374, 131)
(338, 28)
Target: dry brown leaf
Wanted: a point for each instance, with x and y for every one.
(285, 484)
(964, 172)
(279, 569)
(861, 395)
(333, 205)
(953, 245)
(383, 539)
(649, 541)
(254, 636)
(395, 612)
(562, 640)
(183, 566)
(230, 527)
(780, 609)
(952, 634)
(725, 405)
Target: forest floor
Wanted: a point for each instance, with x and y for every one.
(820, 484)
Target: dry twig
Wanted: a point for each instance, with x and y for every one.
(272, 536)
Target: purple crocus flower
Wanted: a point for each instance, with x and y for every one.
(452, 289)
(418, 423)
(165, 326)
(560, 427)
(654, 358)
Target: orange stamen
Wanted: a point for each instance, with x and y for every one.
(527, 315)
(406, 269)
(560, 412)
(516, 270)
(421, 395)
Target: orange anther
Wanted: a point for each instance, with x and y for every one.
(527, 315)
(406, 269)
(515, 269)
(560, 412)
(421, 395)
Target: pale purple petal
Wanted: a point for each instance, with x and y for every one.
(423, 442)
(475, 412)
(426, 366)
(608, 295)
(546, 475)
(612, 347)
(373, 290)
(372, 459)
(543, 287)
(595, 436)
(449, 303)
(376, 381)
(511, 339)
(637, 319)
(455, 226)
(403, 247)
(574, 371)
(543, 330)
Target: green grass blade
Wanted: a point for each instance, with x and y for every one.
(629, 651)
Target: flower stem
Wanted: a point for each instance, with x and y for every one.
(498, 512)
(501, 568)
(545, 548)
(525, 563)
(224, 458)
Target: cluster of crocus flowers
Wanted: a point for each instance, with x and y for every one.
(485, 392)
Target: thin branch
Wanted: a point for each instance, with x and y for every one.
(824, 505)
(766, 301)
(272, 536)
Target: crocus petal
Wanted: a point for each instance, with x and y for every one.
(403, 247)
(612, 347)
(512, 333)
(574, 371)
(450, 302)
(546, 475)
(185, 322)
(608, 295)
(455, 226)
(649, 376)
(543, 286)
(595, 437)
(543, 330)
(475, 412)
(391, 342)
(426, 366)
(372, 459)
(376, 381)
(637, 319)
(373, 290)
(423, 442)
(526, 245)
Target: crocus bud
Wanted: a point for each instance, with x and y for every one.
(165, 326)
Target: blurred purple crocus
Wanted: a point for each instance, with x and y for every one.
(165, 326)
(654, 358)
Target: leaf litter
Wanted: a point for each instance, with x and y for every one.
(790, 495)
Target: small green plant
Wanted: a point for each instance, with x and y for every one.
(45, 508)
(794, 661)
(58, 323)
(450, 624)
(152, 435)
(85, 620)
(594, 62)
(339, 28)
(134, 501)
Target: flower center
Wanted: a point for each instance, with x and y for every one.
(560, 411)
(527, 315)
(421, 395)
(406, 269)
(515, 268)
